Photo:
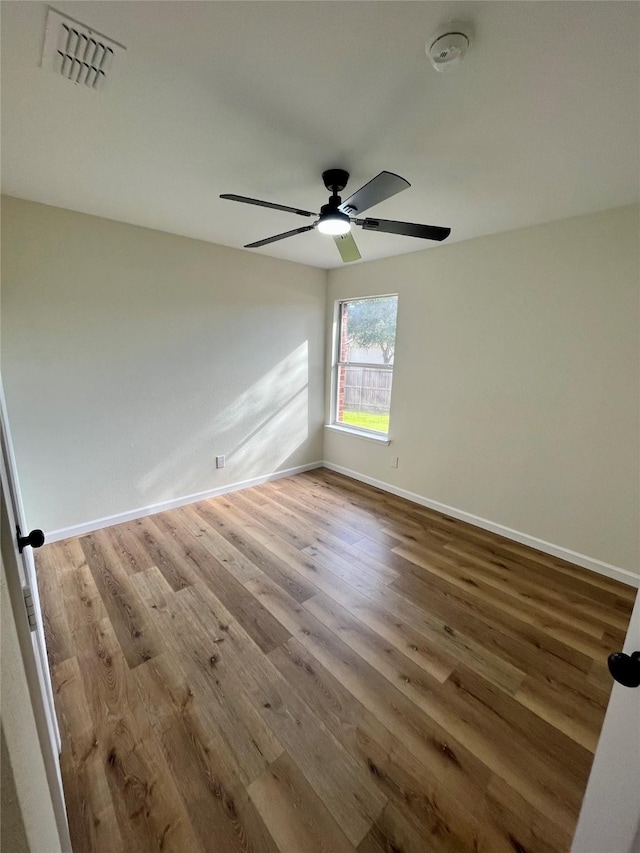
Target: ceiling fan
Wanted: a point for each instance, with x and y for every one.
(337, 216)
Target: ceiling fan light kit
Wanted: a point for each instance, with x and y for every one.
(337, 216)
(333, 222)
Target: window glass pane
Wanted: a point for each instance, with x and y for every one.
(367, 337)
(364, 397)
(369, 330)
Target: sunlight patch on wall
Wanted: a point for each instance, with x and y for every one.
(257, 432)
(275, 439)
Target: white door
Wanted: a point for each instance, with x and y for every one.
(610, 816)
(21, 575)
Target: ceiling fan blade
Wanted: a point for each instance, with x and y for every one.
(409, 229)
(347, 247)
(246, 200)
(259, 243)
(378, 189)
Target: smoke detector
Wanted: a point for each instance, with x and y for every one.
(77, 52)
(447, 47)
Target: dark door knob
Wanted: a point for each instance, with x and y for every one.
(35, 539)
(625, 668)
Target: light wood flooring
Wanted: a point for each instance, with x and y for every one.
(315, 665)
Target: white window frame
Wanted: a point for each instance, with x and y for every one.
(349, 429)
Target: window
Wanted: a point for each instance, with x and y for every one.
(364, 363)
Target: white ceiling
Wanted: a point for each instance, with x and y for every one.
(540, 122)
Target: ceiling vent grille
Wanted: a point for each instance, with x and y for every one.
(77, 52)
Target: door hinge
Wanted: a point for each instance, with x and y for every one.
(28, 605)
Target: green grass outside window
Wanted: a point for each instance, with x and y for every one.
(365, 420)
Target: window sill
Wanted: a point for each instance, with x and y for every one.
(357, 433)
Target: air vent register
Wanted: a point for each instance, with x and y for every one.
(77, 52)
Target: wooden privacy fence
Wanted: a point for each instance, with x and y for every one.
(367, 389)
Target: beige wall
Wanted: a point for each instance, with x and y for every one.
(516, 386)
(131, 358)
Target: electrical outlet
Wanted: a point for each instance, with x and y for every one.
(394, 461)
(220, 461)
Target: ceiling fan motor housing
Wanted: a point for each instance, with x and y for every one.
(335, 180)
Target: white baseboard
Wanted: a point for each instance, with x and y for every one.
(582, 560)
(623, 575)
(131, 515)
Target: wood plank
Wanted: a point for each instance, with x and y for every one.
(432, 744)
(294, 815)
(392, 831)
(303, 515)
(82, 601)
(463, 612)
(311, 512)
(589, 643)
(310, 564)
(583, 598)
(353, 800)
(280, 522)
(578, 711)
(174, 557)
(551, 597)
(260, 625)
(195, 676)
(233, 526)
(334, 501)
(355, 555)
(90, 811)
(212, 791)
(52, 568)
(349, 567)
(222, 662)
(451, 822)
(526, 827)
(145, 799)
(126, 542)
(481, 729)
(486, 587)
(235, 562)
(370, 505)
(135, 633)
(429, 642)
